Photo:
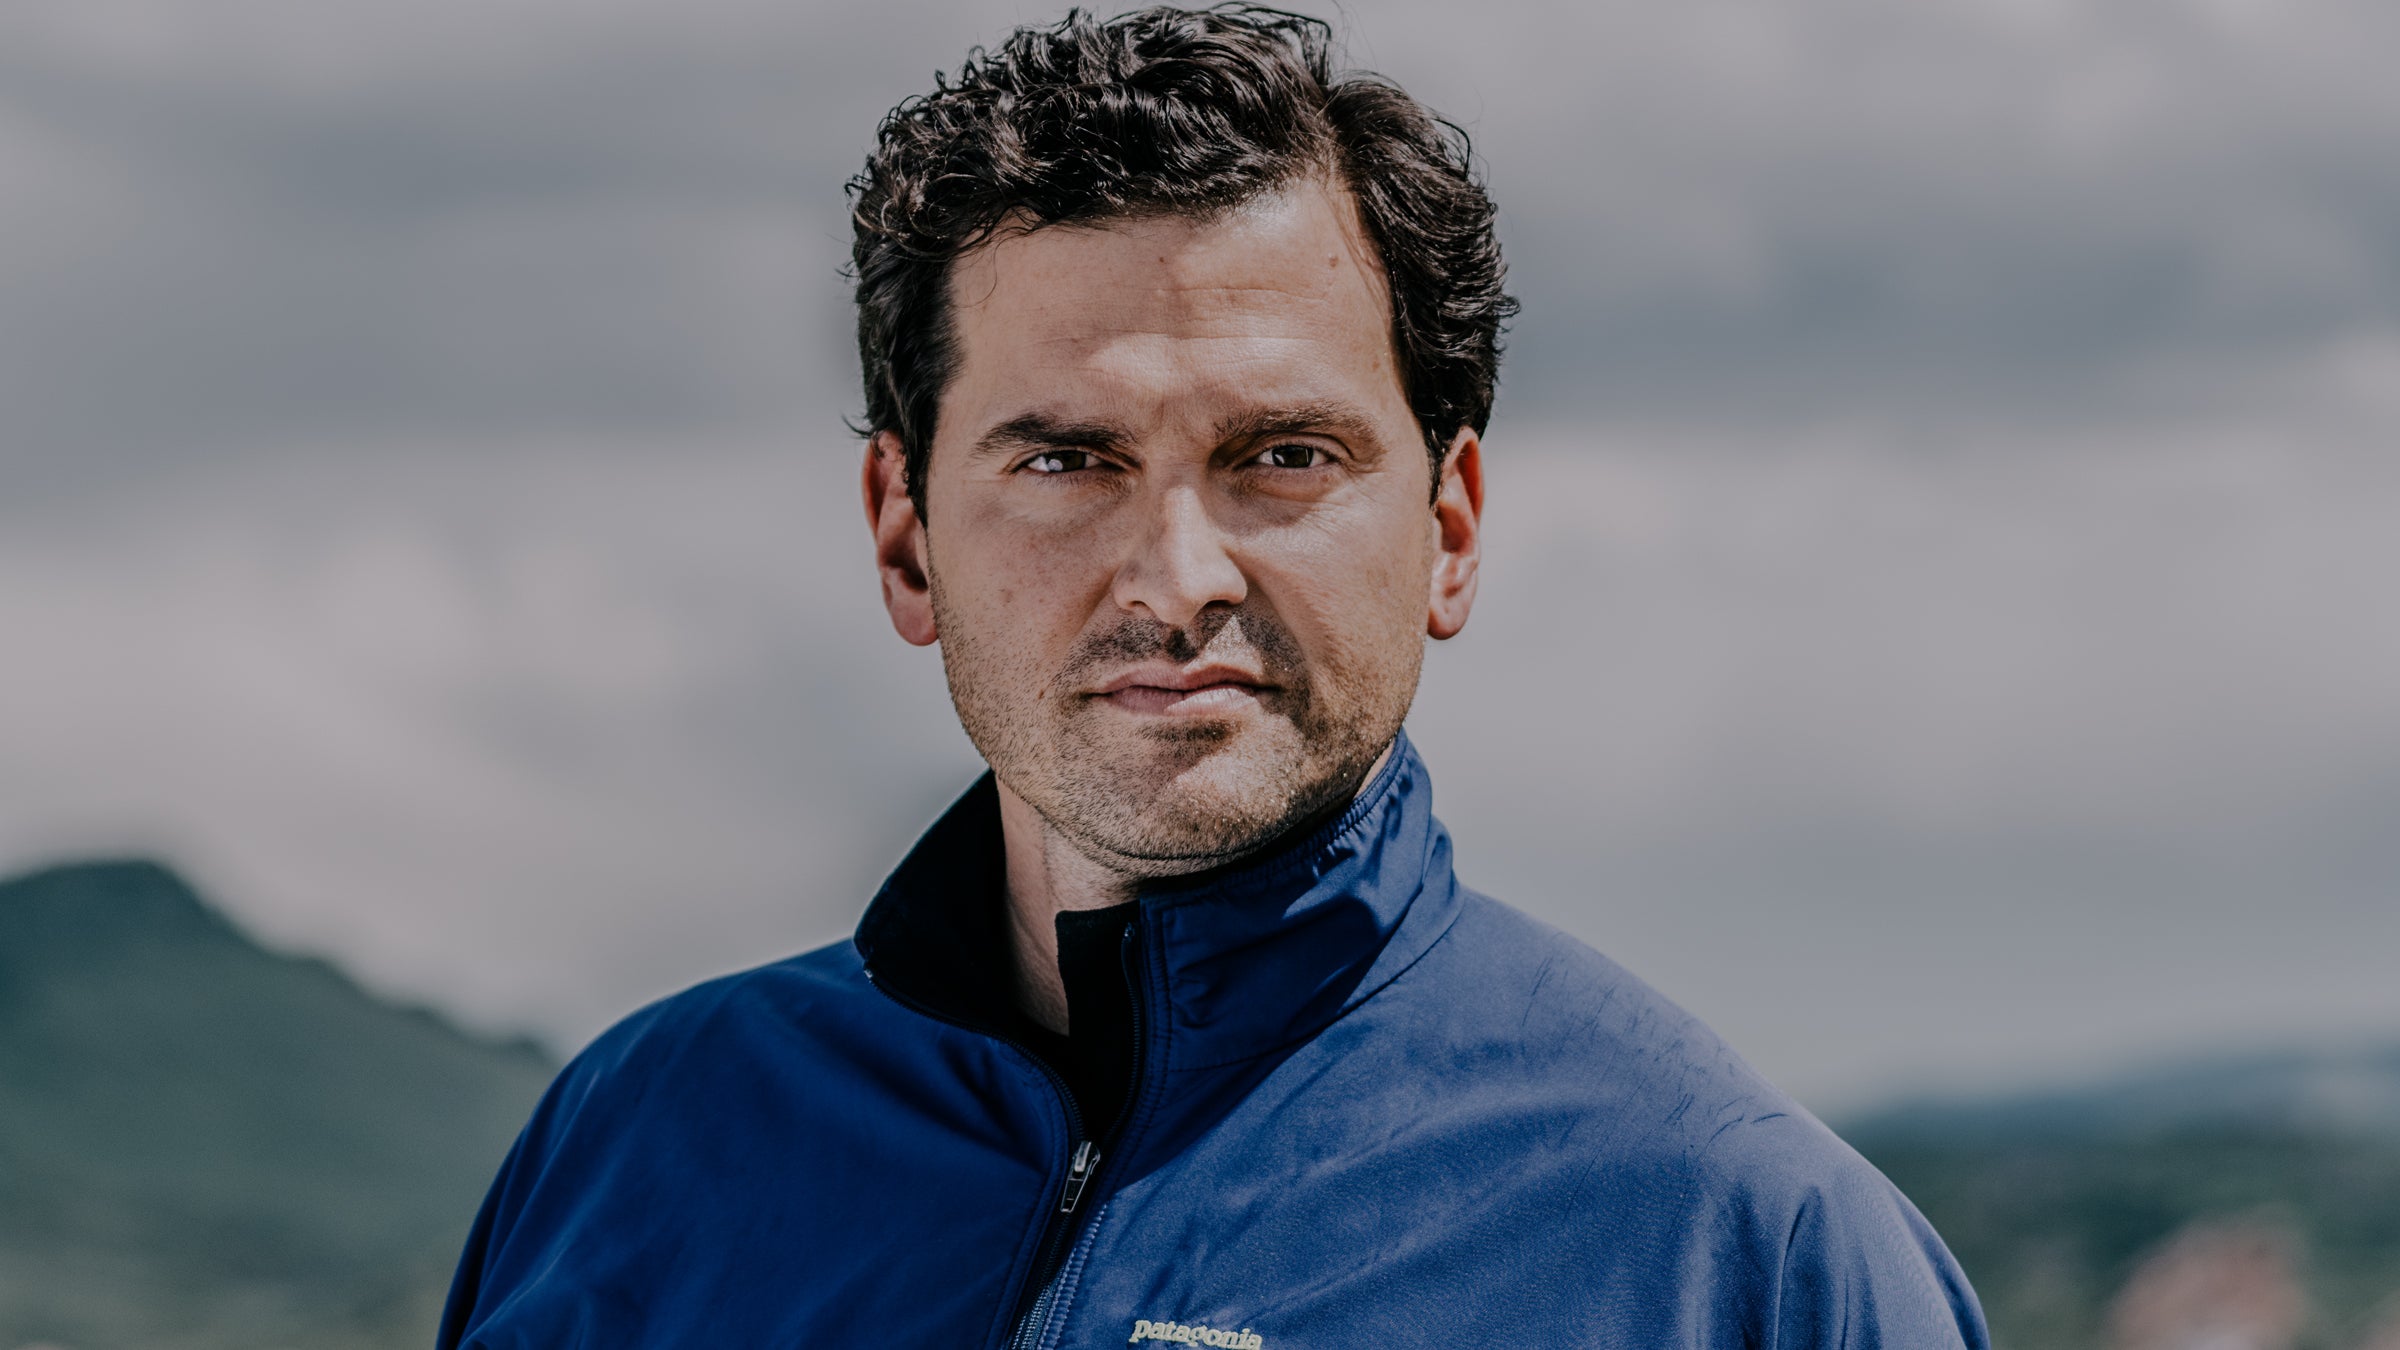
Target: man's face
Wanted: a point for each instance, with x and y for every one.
(1178, 550)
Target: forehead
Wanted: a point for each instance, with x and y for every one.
(1171, 319)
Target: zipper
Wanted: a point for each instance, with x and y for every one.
(1081, 1165)
(1078, 1142)
(1039, 1328)
(1036, 1318)
(1079, 1175)
(1058, 1287)
(1083, 1162)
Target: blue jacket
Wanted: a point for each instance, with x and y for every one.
(1371, 1108)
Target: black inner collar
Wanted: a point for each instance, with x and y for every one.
(939, 938)
(1095, 960)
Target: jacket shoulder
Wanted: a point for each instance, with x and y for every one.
(1602, 1035)
(617, 1109)
(1757, 1183)
(789, 993)
(1613, 1048)
(807, 1007)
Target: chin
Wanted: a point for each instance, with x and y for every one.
(1197, 801)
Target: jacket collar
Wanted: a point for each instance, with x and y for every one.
(1239, 961)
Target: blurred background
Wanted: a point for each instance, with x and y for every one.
(1937, 622)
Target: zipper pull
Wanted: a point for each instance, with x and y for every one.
(1079, 1175)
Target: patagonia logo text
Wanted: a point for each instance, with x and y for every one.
(1179, 1334)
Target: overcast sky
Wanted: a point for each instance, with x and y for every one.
(1944, 509)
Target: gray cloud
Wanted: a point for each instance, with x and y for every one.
(267, 221)
(1747, 208)
(1915, 767)
(1942, 498)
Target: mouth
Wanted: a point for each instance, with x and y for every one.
(1174, 691)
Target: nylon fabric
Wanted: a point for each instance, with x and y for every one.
(1374, 1108)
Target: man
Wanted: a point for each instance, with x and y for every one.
(1177, 1027)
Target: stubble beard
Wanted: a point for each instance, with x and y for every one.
(1177, 796)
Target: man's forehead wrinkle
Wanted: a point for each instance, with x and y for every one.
(1201, 298)
(1186, 348)
(1263, 368)
(1160, 310)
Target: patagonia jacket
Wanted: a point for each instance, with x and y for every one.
(1368, 1108)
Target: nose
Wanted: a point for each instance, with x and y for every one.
(1179, 565)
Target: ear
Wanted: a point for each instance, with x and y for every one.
(1458, 528)
(899, 539)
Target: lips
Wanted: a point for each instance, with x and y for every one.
(1181, 679)
(1185, 690)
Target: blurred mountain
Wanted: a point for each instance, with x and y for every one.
(2353, 1092)
(2055, 1202)
(206, 1144)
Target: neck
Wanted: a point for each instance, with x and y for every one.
(1048, 876)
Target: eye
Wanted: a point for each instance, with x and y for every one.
(1059, 461)
(1294, 455)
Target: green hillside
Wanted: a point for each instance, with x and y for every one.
(208, 1146)
(2050, 1200)
(204, 1144)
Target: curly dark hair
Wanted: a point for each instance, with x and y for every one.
(1168, 111)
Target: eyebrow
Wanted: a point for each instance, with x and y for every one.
(1339, 420)
(1038, 431)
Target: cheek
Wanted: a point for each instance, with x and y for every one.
(1019, 591)
(1354, 596)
